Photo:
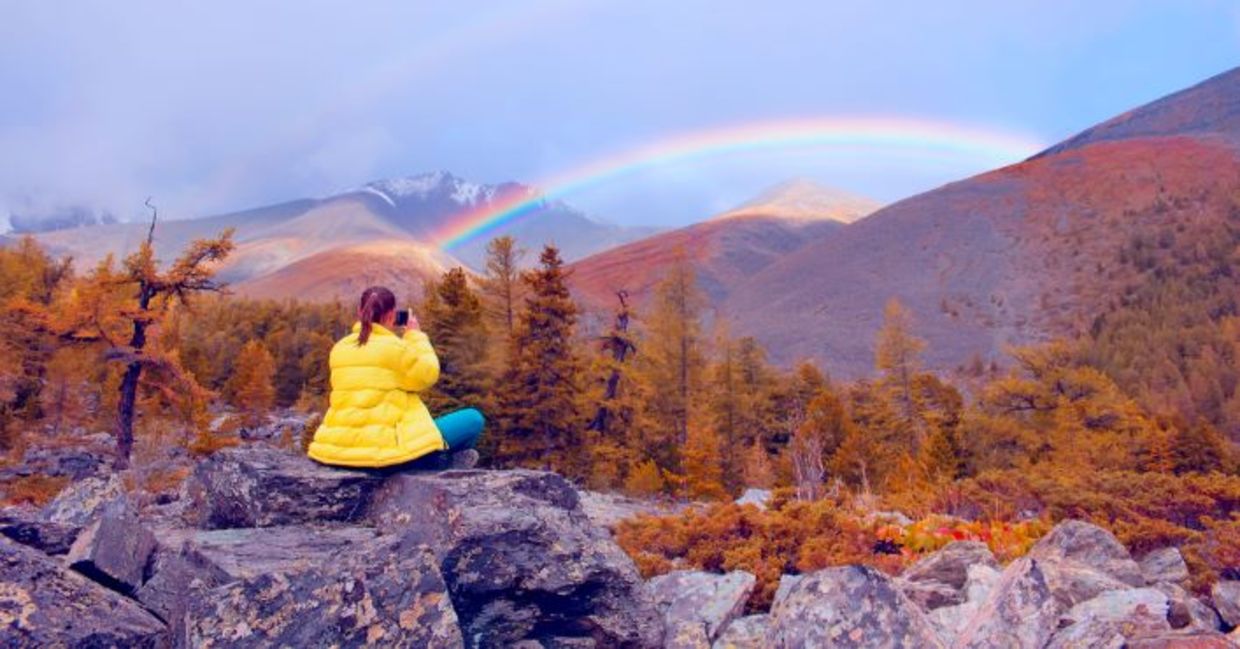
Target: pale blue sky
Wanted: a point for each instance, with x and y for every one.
(226, 105)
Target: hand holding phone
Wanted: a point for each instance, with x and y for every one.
(406, 319)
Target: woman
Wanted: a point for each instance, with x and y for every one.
(376, 418)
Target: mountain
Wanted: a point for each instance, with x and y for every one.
(804, 200)
(307, 233)
(1016, 255)
(402, 266)
(725, 250)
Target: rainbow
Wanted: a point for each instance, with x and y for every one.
(849, 133)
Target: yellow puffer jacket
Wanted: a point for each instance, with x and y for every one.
(376, 418)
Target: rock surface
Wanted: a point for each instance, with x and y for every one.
(82, 501)
(1081, 561)
(747, 632)
(521, 559)
(1134, 613)
(1226, 596)
(1165, 565)
(255, 487)
(851, 606)
(43, 604)
(113, 550)
(1020, 612)
(1187, 612)
(939, 579)
(387, 594)
(950, 621)
(701, 599)
(29, 529)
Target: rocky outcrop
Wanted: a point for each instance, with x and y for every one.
(43, 604)
(703, 601)
(255, 487)
(521, 559)
(113, 550)
(1226, 595)
(1187, 612)
(1020, 611)
(852, 606)
(28, 528)
(1081, 561)
(950, 621)
(939, 579)
(83, 501)
(747, 632)
(1165, 565)
(1127, 614)
(384, 592)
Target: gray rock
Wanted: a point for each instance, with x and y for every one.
(1135, 613)
(1186, 640)
(521, 558)
(259, 487)
(1089, 546)
(852, 606)
(950, 621)
(43, 604)
(175, 572)
(387, 593)
(1165, 565)
(1019, 613)
(1092, 633)
(1187, 612)
(756, 497)
(707, 600)
(29, 529)
(747, 632)
(608, 509)
(1226, 595)
(939, 579)
(683, 634)
(786, 582)
(113, 550)
(83, 501)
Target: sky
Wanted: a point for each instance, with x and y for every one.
(222, 106)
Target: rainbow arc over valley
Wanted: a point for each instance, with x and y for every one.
(939, 138)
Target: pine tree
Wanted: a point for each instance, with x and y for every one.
(454, 322)
(898, 360)
(501, 285)
(250, 388)
(539, 396)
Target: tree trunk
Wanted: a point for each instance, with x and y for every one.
(129, 385)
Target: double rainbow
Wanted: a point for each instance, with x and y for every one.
(937, 138)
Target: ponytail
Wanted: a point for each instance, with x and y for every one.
(376, 302)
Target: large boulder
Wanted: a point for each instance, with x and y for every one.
(747, 632)
(1081, 561)
(1187, 612)
(702, 599)
(939, 579)
(43, 604)
(175, 572)
(1226, 595)
(950, 621)
(851, 606)
(1182, 640)
(1131, 614)
(522, 560)
(1020, 611)
(382, 592)
(1165, 565)
(28, 528)
(113, 550)
(83, 501)
(262, 487)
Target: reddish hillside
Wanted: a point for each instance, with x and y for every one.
(725, 251)
(1011, 256)
(343, 272)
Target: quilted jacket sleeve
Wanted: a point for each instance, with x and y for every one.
(419, 366)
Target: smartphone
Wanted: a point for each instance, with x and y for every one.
(402, 317)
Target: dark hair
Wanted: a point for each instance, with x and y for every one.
(376, 303)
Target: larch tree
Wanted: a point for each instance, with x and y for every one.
(501, 286)
(897, 357)
(673, 359)
(539, 397)
(250, 388)
(128, 304)
(454, 322)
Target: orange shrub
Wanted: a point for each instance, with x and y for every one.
(36, 490)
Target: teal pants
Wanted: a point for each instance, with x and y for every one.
(461, 429)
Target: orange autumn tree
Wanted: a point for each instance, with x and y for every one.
(126, 306)
(250, 387)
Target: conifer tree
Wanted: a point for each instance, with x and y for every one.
(672, 360)
(454, 322)
(897, 358)
(250, 388)
(539, 396)
(501, 289)
(703, 468)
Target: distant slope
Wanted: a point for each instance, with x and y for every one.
(343, 272)
(1011, 256)
(726, 250)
